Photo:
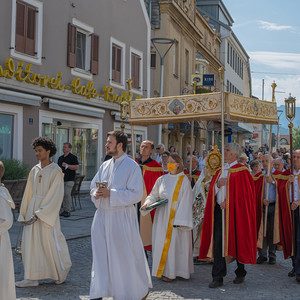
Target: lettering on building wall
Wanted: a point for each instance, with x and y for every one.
(24, 74)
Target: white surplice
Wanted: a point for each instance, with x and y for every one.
(7, 277)
(120, 269)
(180, 257)
(45, 252)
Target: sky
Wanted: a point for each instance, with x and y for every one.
(269, 31)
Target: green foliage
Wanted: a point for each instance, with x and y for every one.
(14, 169)
(296, 138)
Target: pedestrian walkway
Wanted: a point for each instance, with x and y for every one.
(263, 282)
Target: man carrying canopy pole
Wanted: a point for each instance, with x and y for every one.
(240, 219)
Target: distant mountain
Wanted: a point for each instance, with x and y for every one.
(283, 122)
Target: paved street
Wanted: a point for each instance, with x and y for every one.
(262, 281)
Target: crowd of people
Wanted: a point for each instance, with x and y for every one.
(149, 205)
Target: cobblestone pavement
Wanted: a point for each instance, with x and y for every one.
(262, 281)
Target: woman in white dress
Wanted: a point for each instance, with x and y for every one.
(173, 223)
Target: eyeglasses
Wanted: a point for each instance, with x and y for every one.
(157, 148)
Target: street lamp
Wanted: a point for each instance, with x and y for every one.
(169, 43)
(123, 113)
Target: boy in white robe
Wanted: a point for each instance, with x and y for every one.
(119, 269)
(45, 252)
(7, 278)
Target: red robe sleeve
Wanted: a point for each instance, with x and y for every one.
(259, 185)
(285, 215)
(206, 242)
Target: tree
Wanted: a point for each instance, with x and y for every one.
(296, 138)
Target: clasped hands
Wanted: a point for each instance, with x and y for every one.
(220, 183)
(32, 220)
(102, 192)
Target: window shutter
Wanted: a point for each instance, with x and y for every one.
(94, 54)
(20, 28)
(116, 63)
(30, 31)
(72, 37)
(135, 71)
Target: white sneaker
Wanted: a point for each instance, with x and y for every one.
(27, 283)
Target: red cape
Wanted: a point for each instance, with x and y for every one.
(195, 176)
(151, 172)
(259, 184)
(240, 217)
(285, 215)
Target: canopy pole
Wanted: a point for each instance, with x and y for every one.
(269, 165)
(129, 82)
(221, 71)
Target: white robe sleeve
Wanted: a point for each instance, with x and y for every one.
(52, 201)
(93, 188)
(153, 196)
(133, 193)
(26, 198)
(6, 218)
(184, 211)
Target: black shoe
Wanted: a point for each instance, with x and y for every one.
(215, 284)
(65, 214)
(298, 277)
(272, 261)
(260, 260)
(239, 280)
(292, 273)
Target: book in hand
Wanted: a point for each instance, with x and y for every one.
(157, 204)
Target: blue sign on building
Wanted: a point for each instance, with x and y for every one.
(208, 79)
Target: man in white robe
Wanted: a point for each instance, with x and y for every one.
(7, 278)
(45, 252)
(120, 269)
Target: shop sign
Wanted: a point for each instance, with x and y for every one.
(88, 91)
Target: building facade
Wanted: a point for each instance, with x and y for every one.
(63, 72)
(196, 50)
(237, 76)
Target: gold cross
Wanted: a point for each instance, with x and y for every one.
(40, 178)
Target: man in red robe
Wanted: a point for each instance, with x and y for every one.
(151, 170)
(289, 215)
(195, 169)
(238, 200)
(260, 182)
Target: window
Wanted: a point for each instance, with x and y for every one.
(26, 33)
(175, 59)
(153, 60)
(136, 71)
(117, 63)
(83, 50)
(187, 72)
(6, 136)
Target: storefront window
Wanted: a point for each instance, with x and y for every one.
(6, 136)
(85, 145)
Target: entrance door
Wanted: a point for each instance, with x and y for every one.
(61, 137)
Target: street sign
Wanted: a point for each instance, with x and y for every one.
(204, 79)
(208, 79)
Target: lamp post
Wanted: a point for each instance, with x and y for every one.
(123, 113)
(169, 43)
(290, 111)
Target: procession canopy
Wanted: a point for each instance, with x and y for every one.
(203, 107)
